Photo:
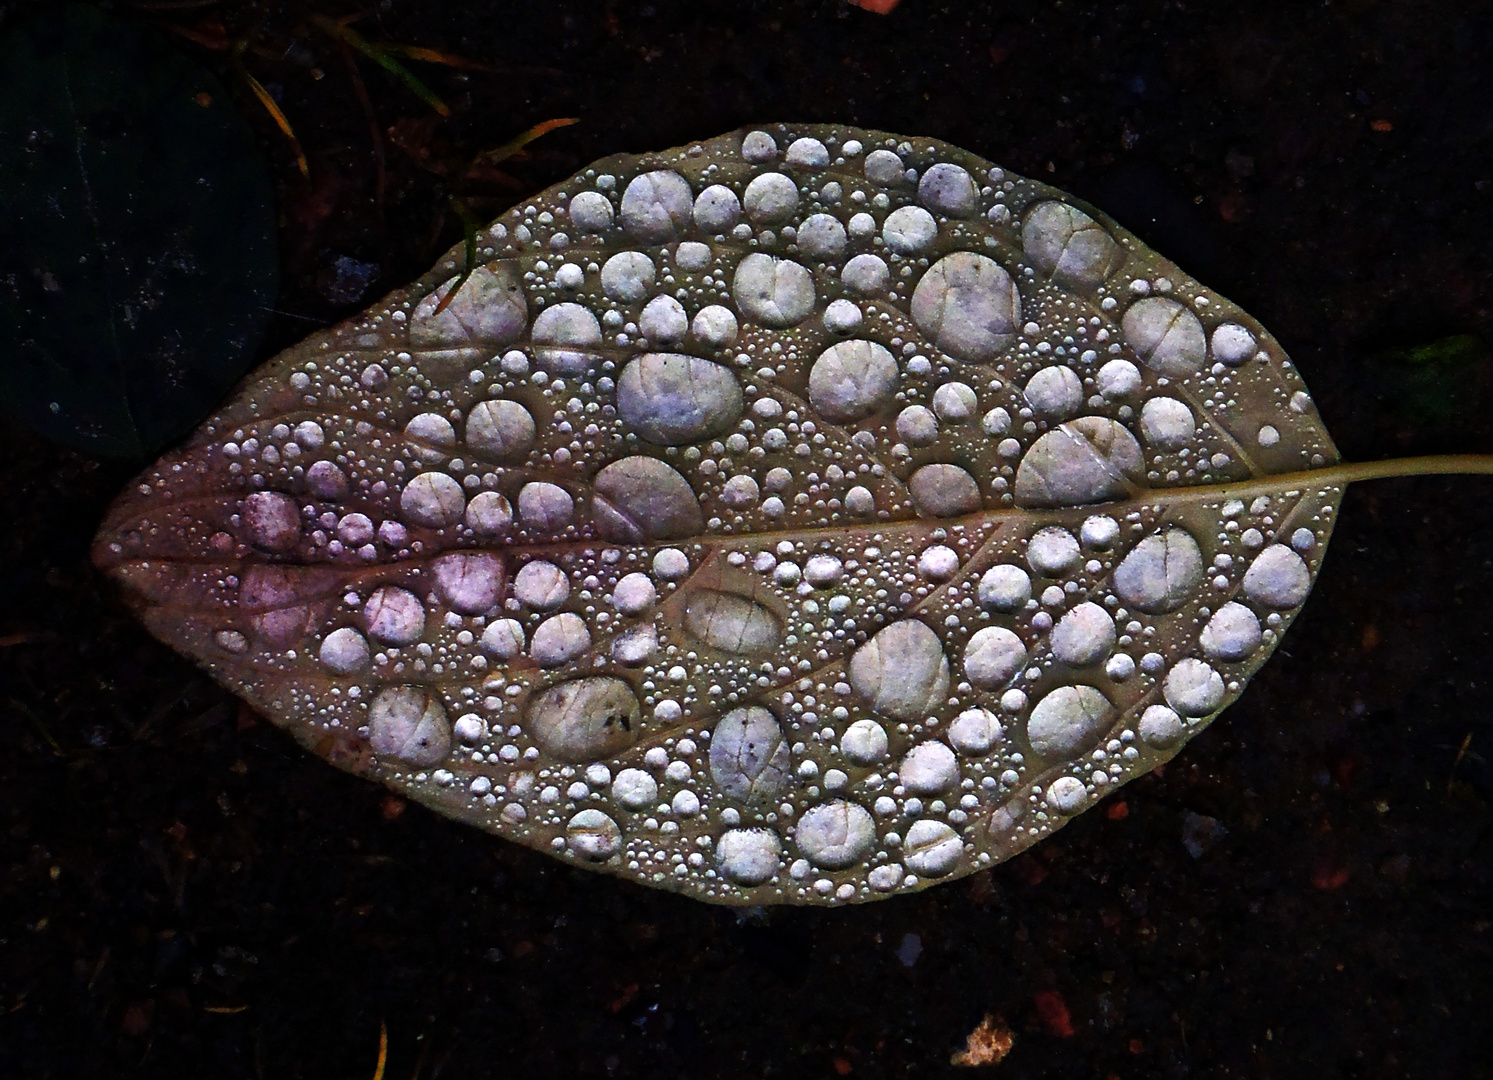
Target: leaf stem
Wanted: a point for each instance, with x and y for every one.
(1348, 472)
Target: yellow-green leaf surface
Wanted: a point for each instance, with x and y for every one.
(809, 515)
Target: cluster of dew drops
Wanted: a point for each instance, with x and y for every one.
(800, 516)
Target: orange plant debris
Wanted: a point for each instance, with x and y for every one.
(988, 1044)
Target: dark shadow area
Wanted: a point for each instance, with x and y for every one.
(1306, 891)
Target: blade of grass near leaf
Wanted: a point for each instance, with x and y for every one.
(523, 139)
(439, 56)
(436, 56)
(383, 1051)
(381, 55)
(275, 114)
(211, 35)
(469, 222)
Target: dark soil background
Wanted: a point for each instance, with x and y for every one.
(1306, 891)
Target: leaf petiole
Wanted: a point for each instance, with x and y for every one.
(1348, 472)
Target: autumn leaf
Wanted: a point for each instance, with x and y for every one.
(807, 515)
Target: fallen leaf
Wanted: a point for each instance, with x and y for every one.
(708, 529)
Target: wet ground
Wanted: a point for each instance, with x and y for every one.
(1306, 890)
